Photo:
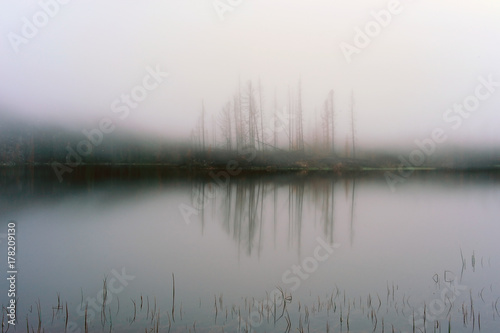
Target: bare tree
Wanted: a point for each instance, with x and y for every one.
(299, 123)
(332, 116)
(326, 125)
(261, 115)
(202, 128)
(316, 135)
(251, 109)
(238, 126)
(239, 119)
(275, 129)
(352, 125)
(214, 132)
(290, 120)
(225, 121)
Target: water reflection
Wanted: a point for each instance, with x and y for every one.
(243, 205)
(247, 233)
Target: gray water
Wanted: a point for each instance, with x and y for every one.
(347, 252)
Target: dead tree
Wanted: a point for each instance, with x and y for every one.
(275, 129)
(325, 117)
(290, 120)
(238, 124)
(261, 115)
(352, 126)
(251, 114)
(299, 123)
(225, 121)
(328, 123)
(332, 117)
(202, 128)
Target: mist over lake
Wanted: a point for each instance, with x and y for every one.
(248, 166)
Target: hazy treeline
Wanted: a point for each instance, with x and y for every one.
(276, 134)
(28, 144)
(248, 120)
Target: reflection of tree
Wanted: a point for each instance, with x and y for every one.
(246, 212)
(353, 201)
(295, 204)
(352, 204)
(240, 205)
(325, 200)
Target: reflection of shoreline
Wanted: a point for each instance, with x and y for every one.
(86, 175)
(21, 187)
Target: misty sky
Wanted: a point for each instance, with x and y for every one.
(426, 59)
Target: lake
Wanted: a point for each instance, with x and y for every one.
(312, 252)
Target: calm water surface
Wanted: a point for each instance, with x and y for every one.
(348, 253)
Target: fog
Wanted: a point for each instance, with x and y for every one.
(429, 56)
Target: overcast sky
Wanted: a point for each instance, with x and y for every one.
(419, 62)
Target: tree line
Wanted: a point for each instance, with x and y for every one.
(246, 120)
